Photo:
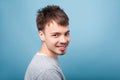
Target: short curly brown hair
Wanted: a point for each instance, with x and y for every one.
(51, 12)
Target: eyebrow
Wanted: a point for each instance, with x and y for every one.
(59, 32)
(68, 31)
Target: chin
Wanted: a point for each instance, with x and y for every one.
(61, 53)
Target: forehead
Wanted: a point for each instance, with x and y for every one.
(54, 27)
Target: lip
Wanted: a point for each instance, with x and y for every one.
(62, 48)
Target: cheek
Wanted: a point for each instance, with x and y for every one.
(54, 42)
(51, 41)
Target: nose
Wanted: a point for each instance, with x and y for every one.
(63, 39)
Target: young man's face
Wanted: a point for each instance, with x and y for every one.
(55, 38)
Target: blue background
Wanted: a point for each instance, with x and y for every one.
(94, 51)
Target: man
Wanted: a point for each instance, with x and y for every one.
(52, 23)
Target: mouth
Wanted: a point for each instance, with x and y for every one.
(62, 48)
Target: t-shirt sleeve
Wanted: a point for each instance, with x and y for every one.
(50, 75)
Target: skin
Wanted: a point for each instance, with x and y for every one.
(55, 39)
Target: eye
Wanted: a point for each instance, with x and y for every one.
(55, 35)
(67, 34)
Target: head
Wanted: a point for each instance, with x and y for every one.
(52, 23)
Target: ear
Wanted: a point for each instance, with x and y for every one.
(41, 34)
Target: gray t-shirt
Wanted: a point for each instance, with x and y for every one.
(43, 68)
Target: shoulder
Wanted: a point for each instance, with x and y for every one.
(43, 62)
(40, 64)
(50, 74)
(43, 67)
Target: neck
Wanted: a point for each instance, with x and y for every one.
(44, 50)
